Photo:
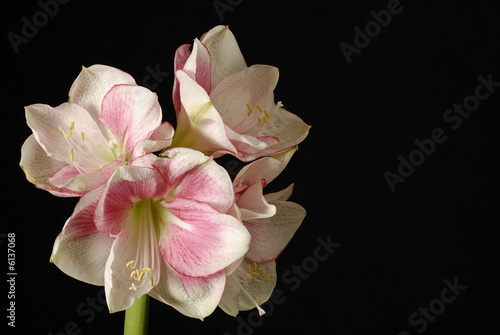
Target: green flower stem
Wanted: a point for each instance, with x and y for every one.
(136, 317)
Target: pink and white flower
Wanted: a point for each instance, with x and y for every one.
(224, 106)
(158, 227)
(108, 121)
(272, 221)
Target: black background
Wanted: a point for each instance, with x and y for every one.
(396, 248)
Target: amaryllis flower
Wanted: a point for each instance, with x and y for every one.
(158, 227)
(108, 121)
(223, 106)
(272, 221)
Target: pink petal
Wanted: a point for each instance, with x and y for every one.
(92, 84)
(199, 125)
(117, 275)
(70, 179)
(45, 122)
(239, 96)
(224, 51)
(181, 55)
(39, 167)
(131, 113)
(271, 235)
(128, 185)
(201, 241)
(253, 205)
(80, 250)
(197, 66)
(267, 168)
(193, 297)
(158, 139)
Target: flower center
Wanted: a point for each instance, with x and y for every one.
(144, 231)
(260, 116)
(253, 274)
(81, 155)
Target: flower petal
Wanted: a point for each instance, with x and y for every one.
(131, 113)
(200, 241)
(242, 98)
(46, 123)
(181, 55)
(288, 128)
(128, 185)
(271, 235)
(224, 51)
(117, 275)
(193, 297)
(158, 139)
(256, 293)
(199, 125)
(197, 66)
(39, 167)
(80, 250)
(253, 205)
(92, 84)
(267, 168)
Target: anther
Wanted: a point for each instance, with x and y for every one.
(151, 281)
(260, 121)
(250, 110)
(141, 275)
(266, 113)
(82, 136)
(61, 128)
(129, 264)
(249, 268)
(268, 277)
(266, 120)
(68, 135)
(72, 126)
(254, 266)
(260, 109)
(71, 155)
(147, 269)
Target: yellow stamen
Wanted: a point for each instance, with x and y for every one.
(253, 280)
(256, 274)
(129, 264)
(266, 120)
(133, 273)
(250, 110)
(249, 268)
(260, 270)
(260, 121)
(268, 277)
(254, 266)
(61, 128)
(141, 274)
(71, 155)
(72, 126)
(68, 135)
(151, 281)
(266, 113)
(260, 109)
(82, 136)
(147, 269)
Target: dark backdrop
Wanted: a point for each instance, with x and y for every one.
(370, 99)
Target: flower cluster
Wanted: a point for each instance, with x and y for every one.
(157, 214)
